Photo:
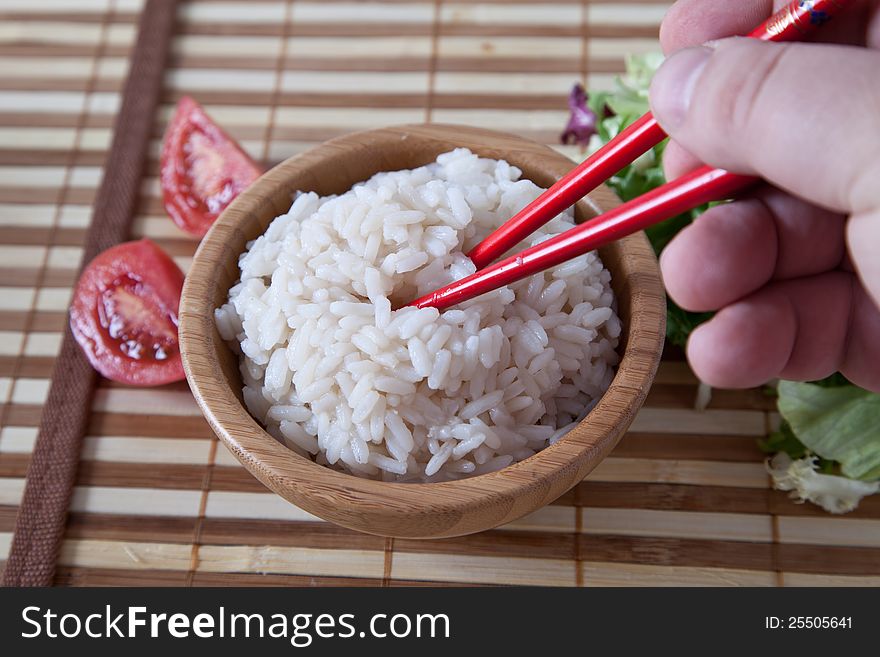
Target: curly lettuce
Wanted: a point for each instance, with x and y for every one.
(807, 484)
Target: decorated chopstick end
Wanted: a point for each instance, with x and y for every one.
(796, 19)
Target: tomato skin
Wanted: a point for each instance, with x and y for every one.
(139, 275)
(202, 168)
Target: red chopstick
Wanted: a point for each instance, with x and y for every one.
(791, 23)
(701, 186)
(705, 184)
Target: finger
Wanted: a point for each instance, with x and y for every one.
(693, 22)
(677, 161)
(732, 250)
(727, 253)
(746, 105)
(794, 330)
(863, 239)
(856, 25)
(822, 306)
(872, 29)
(810, 239)
(861, 364)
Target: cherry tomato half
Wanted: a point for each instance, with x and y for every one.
(124, 314)
(202, 168)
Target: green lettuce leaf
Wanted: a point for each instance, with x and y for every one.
(783, 440)
(840, 423)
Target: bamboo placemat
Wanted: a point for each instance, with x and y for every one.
(684, 499)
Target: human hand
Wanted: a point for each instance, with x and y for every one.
(794, 266)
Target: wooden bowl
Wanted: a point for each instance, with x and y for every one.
(411, 510)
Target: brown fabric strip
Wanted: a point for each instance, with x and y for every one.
(39, 528)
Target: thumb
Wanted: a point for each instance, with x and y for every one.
(802, 116)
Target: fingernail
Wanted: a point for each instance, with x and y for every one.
(673, 85)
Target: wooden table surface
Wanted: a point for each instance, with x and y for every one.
(685, 498)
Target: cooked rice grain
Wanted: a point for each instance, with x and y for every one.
(416, 395)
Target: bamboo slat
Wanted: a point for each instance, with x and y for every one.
(683, 500)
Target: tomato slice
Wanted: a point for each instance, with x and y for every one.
(202, 168)
(124, 314)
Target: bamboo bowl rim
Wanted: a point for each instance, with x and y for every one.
(401, 509)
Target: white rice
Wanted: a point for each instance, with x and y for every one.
(416, 395)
